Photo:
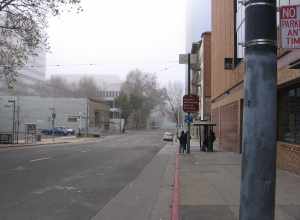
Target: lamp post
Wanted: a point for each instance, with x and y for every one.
(13, 120)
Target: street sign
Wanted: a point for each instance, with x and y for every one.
(290, 26)
(183, 58)
(191, 103)
(188, 119)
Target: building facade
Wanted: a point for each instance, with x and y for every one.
(194, 20)
(201, 79)
(227, 96)
(75, 113)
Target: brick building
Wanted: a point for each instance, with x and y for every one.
(227, 85)
(201, 78)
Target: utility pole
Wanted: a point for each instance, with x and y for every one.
(189, 114)
(87, 118)
(13, 120)
(53, 116)
(260, 112)
(18, 122)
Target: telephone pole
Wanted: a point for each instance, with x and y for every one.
(260, 112)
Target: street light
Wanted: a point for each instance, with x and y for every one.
(53, 116)
(14, 120)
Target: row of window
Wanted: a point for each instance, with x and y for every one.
(108, 93)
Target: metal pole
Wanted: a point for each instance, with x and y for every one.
(260, 112)
(53, 116)
(18, 123)
(14, 121)
(87, 118)
(189, 93)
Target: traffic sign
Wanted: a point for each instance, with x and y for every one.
(289, 26)
(191, 103)
(188, 119)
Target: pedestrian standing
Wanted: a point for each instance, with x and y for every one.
(182, 142)
(185, 140)
(211, 140)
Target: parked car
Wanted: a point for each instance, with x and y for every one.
(70, 131)
(59, 131)
(168, 136)
(47, 131)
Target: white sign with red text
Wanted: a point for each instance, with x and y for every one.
(290, 26)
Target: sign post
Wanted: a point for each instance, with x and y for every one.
(290, 26)
(188, 59)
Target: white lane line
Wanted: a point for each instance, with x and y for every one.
(39, 159)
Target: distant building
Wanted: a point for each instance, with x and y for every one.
(76, 113)
(201, 79)
(194, 20)
(109, 87)
(109, 98)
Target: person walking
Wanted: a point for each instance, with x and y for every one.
(182, 142)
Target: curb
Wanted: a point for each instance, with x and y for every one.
(42, 144)
(32, 145)
(176, 192)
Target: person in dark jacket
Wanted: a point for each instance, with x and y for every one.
(211, 140)
(182, 142)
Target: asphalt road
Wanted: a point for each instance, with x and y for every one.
(71, 181)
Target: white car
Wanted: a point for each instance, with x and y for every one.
(168, 136)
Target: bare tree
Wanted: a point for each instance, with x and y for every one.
(22, 30)
(174, 93)
(86, 88)
(140, 95)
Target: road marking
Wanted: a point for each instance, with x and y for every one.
(176, 191)
(39, 159)
(19, 168)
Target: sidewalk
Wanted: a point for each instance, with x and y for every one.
(210, 187)
(148, 196)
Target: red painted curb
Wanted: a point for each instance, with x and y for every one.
(176, 192)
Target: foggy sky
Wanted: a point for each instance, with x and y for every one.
(116, 36)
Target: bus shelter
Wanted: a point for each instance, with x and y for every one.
(205, 130)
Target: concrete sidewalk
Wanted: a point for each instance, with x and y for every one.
(210, 187)
(148, 197)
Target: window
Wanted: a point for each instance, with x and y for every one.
(240, 29)
(287, 2)
(289, 115)
(72, 119)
